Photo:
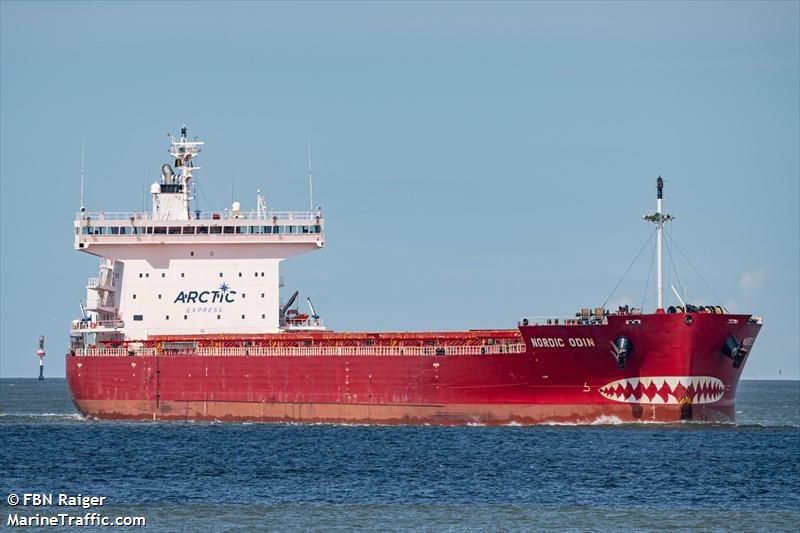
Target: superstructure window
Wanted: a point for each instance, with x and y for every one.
(266, 229)
(255, 229)
(150, 230)
(163, 274)
(202, 229)
(220, 274)
(228, 230)
(138, 318)
(166, 318)
(216, 229)
(262, 294)
(188, 230)
(114, 230)
(174, 230)
(160, 230)
(242, 317)
(134, 296)
(159, 296)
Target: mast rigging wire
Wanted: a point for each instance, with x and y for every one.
(649, 237)
(719, 300)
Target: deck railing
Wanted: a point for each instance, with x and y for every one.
(302, 351)
(562, 321)
(148, 217)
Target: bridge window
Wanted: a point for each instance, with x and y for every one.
(228, 230)
(266, 229)
(305, 229)
(160, 230)
(216, 229)
(202, 229)
(174, 230)
(188, 230)
(317, 229)
(150, 230)
(255, 229)
(124, 231)
(138, 318)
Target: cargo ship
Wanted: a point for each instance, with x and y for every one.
(185, 321)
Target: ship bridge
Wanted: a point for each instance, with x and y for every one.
(175, 270)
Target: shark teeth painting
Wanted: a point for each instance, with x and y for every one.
(664, 390)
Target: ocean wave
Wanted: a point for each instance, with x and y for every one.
(53, 416)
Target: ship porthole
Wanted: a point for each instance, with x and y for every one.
(688, 319)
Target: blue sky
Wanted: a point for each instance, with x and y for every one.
(477, 162)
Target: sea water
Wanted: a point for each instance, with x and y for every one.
(191, 477)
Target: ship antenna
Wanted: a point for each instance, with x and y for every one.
(659, 218)
(310, 181)
(83, 149)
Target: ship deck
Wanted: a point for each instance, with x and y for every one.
(471, 342)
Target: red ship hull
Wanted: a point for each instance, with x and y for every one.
(676, 370)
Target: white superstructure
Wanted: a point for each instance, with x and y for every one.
(174, 271)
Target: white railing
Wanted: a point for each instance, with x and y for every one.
(85, 326)
(116, 352)
(492, 349)
(146, 216)
(561, 321)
